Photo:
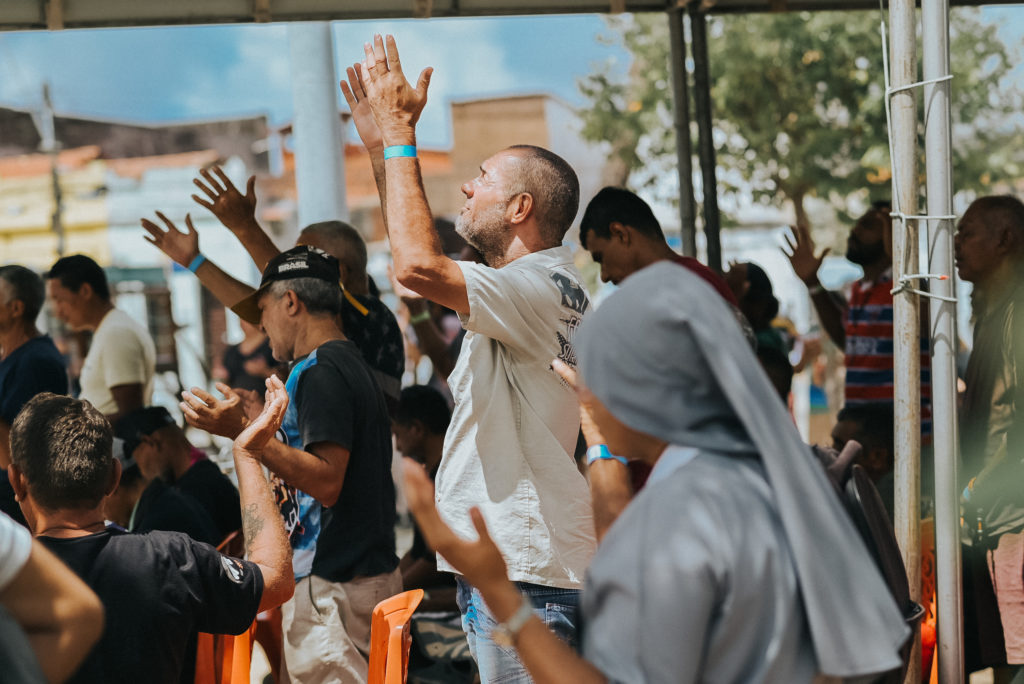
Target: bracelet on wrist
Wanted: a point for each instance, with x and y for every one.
(599, 452)
(392, 151)
(196, 263)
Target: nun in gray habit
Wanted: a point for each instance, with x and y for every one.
(736, 563)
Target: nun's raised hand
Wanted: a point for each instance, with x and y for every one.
(479, 561)
(588, 423)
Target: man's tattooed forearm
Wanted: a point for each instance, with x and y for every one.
(252, 525)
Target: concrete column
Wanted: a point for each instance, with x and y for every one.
(316, 124)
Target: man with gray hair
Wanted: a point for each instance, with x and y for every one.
(29, 361)
(333, 474)
(509, 447)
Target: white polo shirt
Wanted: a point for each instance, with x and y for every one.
(509, 447)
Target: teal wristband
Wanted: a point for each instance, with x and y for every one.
(196, 263)
(399, 151)
(599, 452)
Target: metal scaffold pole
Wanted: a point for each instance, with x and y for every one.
(706, 143)
(938, 166)
(906, 324)
(684, 149)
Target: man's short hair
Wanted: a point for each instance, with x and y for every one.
(618, 204)
(26, 287)
(318, 296)
(72, 271)
(347, 244)
(63, 447)
(425, 404)
(1003, 211)
(553, 185)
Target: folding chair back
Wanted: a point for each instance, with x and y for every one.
(390, 638)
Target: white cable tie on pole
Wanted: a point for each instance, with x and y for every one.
(919, 84)
(921, 217)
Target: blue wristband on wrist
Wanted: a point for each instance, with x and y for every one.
(399, 151)
(196, 263)
(599, 452)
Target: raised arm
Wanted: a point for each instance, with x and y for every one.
(610, 487)
(548, 659)
(419, 262)
(183, 249)
(237, 212)
(266, 542)
(369, 132)
(829, 305)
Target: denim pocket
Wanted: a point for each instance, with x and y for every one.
(561, 619)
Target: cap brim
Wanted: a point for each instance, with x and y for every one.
(248, 309)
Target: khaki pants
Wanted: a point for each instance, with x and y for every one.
(327, 628)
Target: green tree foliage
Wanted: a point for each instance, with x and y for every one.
(799, 104)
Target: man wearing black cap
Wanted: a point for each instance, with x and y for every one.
(159, 446)
(334, 482)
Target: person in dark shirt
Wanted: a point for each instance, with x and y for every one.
(157, 588)
(419, 426)
(159, 446)
(335, 487)
(29, 362)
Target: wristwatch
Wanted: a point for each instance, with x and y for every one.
(505, 633)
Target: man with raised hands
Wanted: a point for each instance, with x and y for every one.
(509, 448)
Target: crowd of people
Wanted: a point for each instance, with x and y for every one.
(613, 493)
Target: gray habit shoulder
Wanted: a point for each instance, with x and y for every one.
(695, 582)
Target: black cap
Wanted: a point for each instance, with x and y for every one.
(138, 424)
(301, 261)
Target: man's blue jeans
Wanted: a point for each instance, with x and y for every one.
(501, 665)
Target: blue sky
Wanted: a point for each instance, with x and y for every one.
(159, 74)
(163, 74)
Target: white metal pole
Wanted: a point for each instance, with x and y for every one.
(681, 118)
(938, 166)
(316, 124)
(906, 330)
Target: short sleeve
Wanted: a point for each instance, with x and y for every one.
(226, 590)
(324, 406)
(512, 305)
(124, 359)
(15, 547)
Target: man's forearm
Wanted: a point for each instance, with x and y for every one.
(830, 313)
(256, 241)
(435, 346)
(226, 289)
(610, 493)
(266, 542)
(306, 471)
(380, 178)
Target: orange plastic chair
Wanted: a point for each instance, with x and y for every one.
(223, 658)
(390, 638)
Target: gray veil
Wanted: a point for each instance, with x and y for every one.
(665, 355)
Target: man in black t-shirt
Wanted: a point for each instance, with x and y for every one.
(29, 362)
(157, 588)
(335, 470)
(159, 446)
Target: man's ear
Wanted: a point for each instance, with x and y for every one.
(115, 478)
(18, 308)
(18, 482)
(85, 291)
(621, 232)
(418, 428)
(520, 208)
(292, 303)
